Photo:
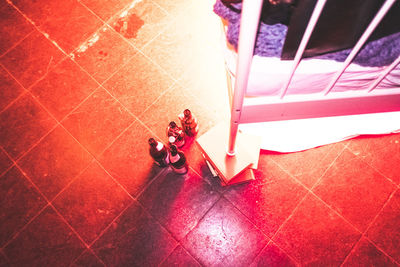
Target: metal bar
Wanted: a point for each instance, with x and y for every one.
(364, 37)
(306, 37)
(383, 75)
(250, 17)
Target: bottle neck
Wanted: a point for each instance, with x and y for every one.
(159, 146)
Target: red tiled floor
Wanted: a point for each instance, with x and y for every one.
(91, 202)
(3, 260)
(98, 121)
(270, 199)
(55, 162)
(31, 59)
(13, 27)
(385, 230)
(104, 53)
(66, 22)
(308, 166)
(5, 162)
(13, 89)
(47, 240)
(106, 9)
(366, 254)
(316, 235)
(87, 259)
(138, 89)
(60, 92)
(272, 256)
(388, 149)
(145, 20)
(119, 159)
(23, 124)
(178, 202)
(135, 239)
(180, 257)
(20, 202)
(80, 189)
(357, 196)
(224, 237)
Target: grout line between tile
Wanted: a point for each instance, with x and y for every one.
(15, 235)
(109, 225)
(364, 234)
(70, 226)
(18, 42)
(83, 252)
(37, 27)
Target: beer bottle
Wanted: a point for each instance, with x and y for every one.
(189, 122)
(159, 153)
(178, 160)
(176, 136)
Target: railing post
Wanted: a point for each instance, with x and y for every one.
(250, 18)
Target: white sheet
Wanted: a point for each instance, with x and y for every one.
(298, 135)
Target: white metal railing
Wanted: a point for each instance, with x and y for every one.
(251, 10)
(304, 41)
(363, 39)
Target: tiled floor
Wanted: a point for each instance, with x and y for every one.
(79, 99)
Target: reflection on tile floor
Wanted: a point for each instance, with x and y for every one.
(81, 95)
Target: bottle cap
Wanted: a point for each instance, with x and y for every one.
(171, 139)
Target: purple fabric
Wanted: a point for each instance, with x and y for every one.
(270, 40)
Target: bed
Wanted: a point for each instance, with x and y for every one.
(309, 98)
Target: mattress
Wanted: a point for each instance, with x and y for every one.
(269, 73)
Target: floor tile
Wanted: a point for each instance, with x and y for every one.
(106, 9)
(185, 50)
(140, 22)
(55, 162)
(138, 84)
(91, 202)
(128, 159)
(11, 89)
(316, 235)
(20, 202)
(175, 7)
(385, 230)
(3, 260)
(31, 59)
(180, 257)
(308, 166)
(381, 152)
(178, 202)
(270, 199)
(366, 254)
(46, 241)
(66, 22)
(13, 27)
(87, 259)
(135, 239)
(272, 256)
(5, 162)
(98, 121)
(60, 92)
(224, 237)
(103, 53)
(354, 189)
(23, 124)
